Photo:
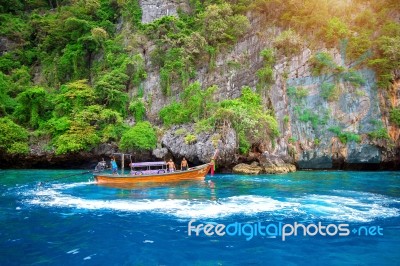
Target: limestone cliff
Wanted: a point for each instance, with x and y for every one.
(330, 112)
(315, 131)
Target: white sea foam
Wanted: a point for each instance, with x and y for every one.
(73, 251)
(364, 207)
(177, 207)
(343, 206)
(72, 185)
(89, 257)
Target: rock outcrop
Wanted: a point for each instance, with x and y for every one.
(248, 169)
(268, 164)
(160, 153)
(182, 141)
(364, 154)
(7, 45)
(154, 9)
(274, 164)
(315, 160)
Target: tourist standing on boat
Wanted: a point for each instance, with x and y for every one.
(184, 164)
(114, 166)
(171, 166)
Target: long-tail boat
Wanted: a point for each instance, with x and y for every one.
(154, 172)
(194, 173)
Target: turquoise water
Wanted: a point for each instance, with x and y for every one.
(73, 221)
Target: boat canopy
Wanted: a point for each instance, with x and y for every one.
(143, 164)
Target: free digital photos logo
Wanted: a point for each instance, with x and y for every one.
(281, 230)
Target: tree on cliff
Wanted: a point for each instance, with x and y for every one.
(72, 72)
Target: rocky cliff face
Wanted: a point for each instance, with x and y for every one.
(316, 132)
(199, 149)
(154, 9)
(306, 123)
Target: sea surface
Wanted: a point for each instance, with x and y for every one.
(62, 217)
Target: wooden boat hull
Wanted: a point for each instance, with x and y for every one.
(197, 173)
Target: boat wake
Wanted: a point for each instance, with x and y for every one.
(72, 185)
(348, 206)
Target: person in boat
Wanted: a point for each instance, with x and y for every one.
(100, 166)
(132, 172)
(171, 166)
(184, 164)
(114, 166)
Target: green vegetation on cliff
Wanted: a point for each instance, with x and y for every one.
(72, 72)
(13, 138)
(245, 114)
(142, 136)
(395, 116)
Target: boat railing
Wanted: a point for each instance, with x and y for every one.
(147, 168)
